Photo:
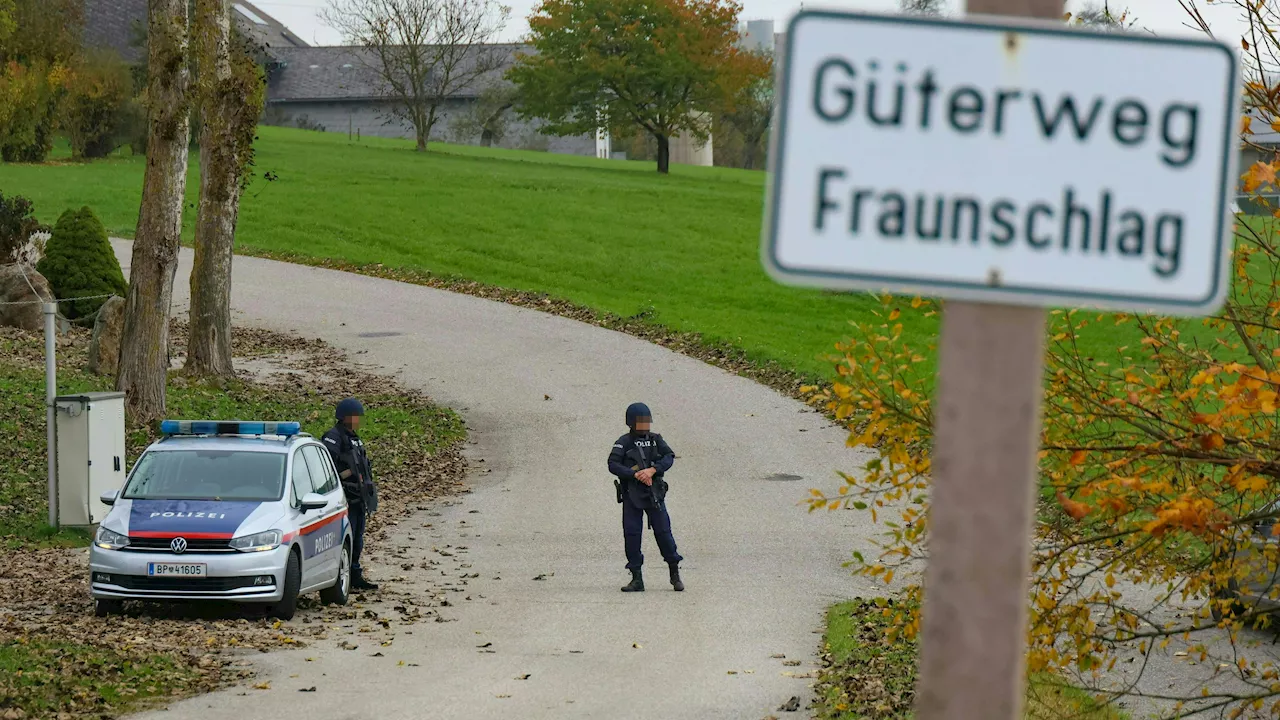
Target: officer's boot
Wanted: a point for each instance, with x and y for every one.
(676, 582)
(637, 582)
(360, 582)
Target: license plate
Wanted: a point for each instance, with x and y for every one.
(176, 569)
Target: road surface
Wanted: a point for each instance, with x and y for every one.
(760, 570)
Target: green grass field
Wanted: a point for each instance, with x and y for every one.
(680, 251)
(613, 236)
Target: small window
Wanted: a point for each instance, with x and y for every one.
(322, 482)
(301, 479)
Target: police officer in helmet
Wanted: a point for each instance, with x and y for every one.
(640, 459)
(348, 453)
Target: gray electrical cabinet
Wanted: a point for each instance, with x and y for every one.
(90, 436)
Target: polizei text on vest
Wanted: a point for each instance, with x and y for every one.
(892, 98)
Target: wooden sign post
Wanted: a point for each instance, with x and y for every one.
(1006, 168)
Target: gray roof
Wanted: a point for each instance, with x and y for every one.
(265, 30)
(114, 24)
(346, 73)
(117, 24)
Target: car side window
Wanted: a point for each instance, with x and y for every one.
(322, 482)
(301, 479)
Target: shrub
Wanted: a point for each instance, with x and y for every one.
(17, 225)
(29, 100)
(94, 114)
(79, 262)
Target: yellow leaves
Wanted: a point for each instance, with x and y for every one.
(1246, 125)
(1252, 483)
(1077, 457)
(895, 314)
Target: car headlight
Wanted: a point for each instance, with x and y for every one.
(110, 539)
(259, 542)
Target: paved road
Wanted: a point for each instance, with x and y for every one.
(760, 570)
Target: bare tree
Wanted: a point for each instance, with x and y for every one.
(1101, 19)
(144, 343)
(921, 7)
(230, 93)
(423, 51)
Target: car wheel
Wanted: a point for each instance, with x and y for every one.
(288, 604)
(103, 608)
(341, 588)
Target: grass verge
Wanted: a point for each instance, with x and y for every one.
(867, 677)
(40, 678)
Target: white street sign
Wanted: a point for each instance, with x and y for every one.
(988, 161)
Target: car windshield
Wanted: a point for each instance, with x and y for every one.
(207, 475)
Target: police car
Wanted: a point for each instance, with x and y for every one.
(243, 511)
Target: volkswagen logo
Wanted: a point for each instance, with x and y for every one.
(178, 545)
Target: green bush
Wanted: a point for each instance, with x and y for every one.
(79, 262)
(95, 111)
(17, 225)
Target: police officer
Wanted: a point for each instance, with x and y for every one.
(348, 453)
(640, 459)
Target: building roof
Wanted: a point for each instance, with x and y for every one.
(346, 73)
(265, 30)
(121, 25)
(116, 24)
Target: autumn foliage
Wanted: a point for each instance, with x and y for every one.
(1160, 457)
(660, 65)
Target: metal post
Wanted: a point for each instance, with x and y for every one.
(51, 392)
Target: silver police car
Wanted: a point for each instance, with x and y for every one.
(244, 511)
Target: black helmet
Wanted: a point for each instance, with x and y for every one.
(637, 410)
(349, 407)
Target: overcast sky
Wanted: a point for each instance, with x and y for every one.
(1164, 17)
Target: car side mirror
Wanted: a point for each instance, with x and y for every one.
(313, 501)
(109, 497)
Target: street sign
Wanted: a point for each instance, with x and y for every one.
(1027, 164)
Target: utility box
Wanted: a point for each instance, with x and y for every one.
(90, 436)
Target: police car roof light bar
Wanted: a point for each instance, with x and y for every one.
(234, 427)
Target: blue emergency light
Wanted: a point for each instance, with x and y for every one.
(233, 427)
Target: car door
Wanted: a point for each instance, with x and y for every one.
(300, 485)
(324, 530)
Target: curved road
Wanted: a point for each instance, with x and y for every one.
(759, 569)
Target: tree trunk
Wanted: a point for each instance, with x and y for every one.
(422, 141)
(209, 340)
(144, 342)
(664, 153)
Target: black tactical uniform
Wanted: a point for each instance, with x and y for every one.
(354, 469)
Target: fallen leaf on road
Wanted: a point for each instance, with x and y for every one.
(262, 686)
(791, 705)
(777, 656)
(502, 696)
(310, 689)
(525, 676)
(636, 645)
(733, 672)
(488, 644)
(791, 663)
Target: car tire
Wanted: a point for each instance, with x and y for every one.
(338, 593)
(103, 608)
(288, 604)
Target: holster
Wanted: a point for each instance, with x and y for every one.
(617, 486)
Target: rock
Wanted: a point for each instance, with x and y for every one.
(104, 346)
(23, 285)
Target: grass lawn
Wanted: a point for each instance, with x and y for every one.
(869, 678)
(46, 678)
(681, 251)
